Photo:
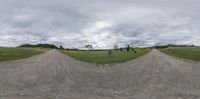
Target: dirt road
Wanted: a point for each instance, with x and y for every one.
(54, 75)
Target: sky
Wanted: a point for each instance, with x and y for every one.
(101, 23)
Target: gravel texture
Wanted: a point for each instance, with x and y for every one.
(54, 75)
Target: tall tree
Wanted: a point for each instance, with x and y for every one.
(128, 48)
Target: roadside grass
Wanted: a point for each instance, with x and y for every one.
(191, 53)
(105, 57)
(8, 54)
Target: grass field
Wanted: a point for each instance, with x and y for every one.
(191, 53)
(102, 57)
(8, 54)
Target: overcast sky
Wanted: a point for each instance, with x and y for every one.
(102, 23)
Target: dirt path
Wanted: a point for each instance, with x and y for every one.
(54, 75)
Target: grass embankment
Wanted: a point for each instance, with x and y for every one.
(8, 54)
(104, 57)
(191, 53)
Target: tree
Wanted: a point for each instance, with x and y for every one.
(40, 46)
(61, 47)
(89, 47)
(121, 49)
(115, 46)
(128, 48)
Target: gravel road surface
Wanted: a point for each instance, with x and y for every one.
(54, 75)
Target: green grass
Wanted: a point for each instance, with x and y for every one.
(191, 53)
(8, 54)
(102, 57)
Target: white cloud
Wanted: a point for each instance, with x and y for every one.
(101, 23)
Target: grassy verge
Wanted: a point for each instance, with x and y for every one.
(104, 57)
(8, 54)
(191, 53)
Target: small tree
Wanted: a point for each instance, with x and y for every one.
(115, 46)
(128, 48)
(89, 47)
(121, 49)
(61, 47)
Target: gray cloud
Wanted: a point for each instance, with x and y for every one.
(75, 23)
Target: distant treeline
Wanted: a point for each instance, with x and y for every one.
(172, 45)
(128, 48)
(40, 46)
(119, 49)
